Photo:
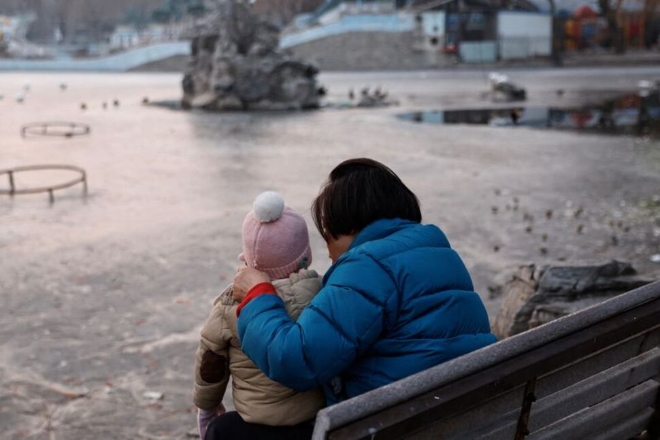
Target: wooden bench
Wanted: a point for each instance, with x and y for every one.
(594, 374)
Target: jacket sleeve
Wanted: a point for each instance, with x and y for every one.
(212, 360)
(341, 323)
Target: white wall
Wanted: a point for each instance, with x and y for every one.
(524, 34)
(433, 23)
(478, 51)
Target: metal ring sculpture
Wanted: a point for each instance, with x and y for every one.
(62, 129)
(12, 191)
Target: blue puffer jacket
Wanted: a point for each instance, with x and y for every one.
(399, 301)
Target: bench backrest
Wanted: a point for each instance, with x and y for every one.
(592, 374)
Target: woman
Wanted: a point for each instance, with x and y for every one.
(397, 299)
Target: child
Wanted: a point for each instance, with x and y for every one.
(275, 241)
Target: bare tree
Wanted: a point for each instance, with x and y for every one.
(610, 10)
(64, 16)
(555, 54)
(650, 8)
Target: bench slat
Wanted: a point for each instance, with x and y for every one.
(554, 381)
(504, 430)
(481, 417)
(568, 399)
(554, 385)
(419, 413)
(596, 389)
(598, 418)
(636, 425)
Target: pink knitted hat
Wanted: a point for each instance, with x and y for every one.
(275, 238)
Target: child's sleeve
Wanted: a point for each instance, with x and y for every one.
(212, 361)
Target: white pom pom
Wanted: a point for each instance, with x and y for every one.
(268, 206)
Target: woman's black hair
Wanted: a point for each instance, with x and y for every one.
(359, 192)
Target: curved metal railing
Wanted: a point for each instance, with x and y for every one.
(62, 129)
(13, 190)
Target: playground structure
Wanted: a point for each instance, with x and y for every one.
(13, 190)
(587, 28)
(55, 129)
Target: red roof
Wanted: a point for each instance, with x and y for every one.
(585, 11)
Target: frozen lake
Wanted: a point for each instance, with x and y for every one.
(103, 296)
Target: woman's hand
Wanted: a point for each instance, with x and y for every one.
(245, 279)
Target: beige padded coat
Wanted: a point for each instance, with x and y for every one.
(256, 398)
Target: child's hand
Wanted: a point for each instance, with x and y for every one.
(245, 279)
(204, 417)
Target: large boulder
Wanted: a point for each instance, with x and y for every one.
(536, 295)
(236, 63)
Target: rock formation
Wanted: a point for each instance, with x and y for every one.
(236, 64)
(534, 296)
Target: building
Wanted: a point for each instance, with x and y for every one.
(126, 37)
(15, 27)
(384, 34)
(484, 31)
